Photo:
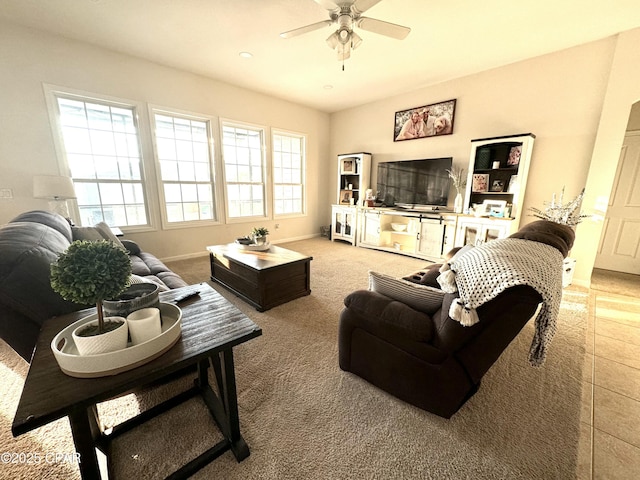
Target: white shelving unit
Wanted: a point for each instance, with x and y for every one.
(498, 172)
(354, 173)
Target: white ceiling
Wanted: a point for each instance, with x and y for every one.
(448, 39)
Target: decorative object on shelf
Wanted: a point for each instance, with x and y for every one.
(425, 121)
(348, 167)
(260, 235)
(480, 181)
(87, 273)
(497, 185)
(398, 227)
(563, 213)
(483, 159)
(495, 165)
(494, 208)
(514, 156)
(346, 196)
(459, 182)
(513, 184)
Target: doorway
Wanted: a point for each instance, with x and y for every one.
(619, 248)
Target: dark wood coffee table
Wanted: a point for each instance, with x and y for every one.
(211, 327)
(262, 279)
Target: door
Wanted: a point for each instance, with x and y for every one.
(620, 245)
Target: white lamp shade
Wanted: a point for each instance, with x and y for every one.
(53, 186)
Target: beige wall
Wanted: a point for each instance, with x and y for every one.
(558, 97)
(29, 59)
(623, 90)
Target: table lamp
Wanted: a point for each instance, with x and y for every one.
(57, 189)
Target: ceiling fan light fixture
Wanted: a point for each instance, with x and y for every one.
(333, 41)
(355, 40)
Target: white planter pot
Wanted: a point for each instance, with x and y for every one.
(103, 343)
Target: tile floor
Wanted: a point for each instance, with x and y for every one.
(610, 433)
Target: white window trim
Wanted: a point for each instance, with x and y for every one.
(216, 168)
(266, 158)
(52, 91)
(304, 137)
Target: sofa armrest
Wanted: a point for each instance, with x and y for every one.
(390, 318)
(132, 247)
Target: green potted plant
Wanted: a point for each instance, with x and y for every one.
(87, 273)
(260, 235)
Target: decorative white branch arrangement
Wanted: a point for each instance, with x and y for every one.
(559, 212)
(457, 178)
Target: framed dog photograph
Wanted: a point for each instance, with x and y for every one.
(426, 121)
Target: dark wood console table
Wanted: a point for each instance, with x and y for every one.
(262, 279)
(211, 327)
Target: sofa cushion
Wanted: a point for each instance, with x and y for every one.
(28, 249)
(420, 297)
(50, 219)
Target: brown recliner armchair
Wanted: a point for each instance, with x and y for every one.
(430, 360)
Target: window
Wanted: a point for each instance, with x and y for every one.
(244, 170)
(288, 173)
(182, 148)
(100, 141)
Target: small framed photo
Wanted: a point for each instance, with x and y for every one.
(348, 166)
(495, 208)
(497, 186)
(345, 197)
(513, 184)
(480, 182)
(514, 156)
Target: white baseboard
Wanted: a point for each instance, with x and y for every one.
(188, 256)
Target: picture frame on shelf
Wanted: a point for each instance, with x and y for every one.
(514, 156)
(513, 184)
(346, 196)
(348, 166)
(480, 182)
(497, 185)
(425, 121)
(495, 208)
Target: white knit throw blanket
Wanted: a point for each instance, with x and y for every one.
(483, 272)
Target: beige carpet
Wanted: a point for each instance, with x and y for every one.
(304, 418)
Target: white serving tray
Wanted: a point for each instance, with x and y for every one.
(253, 247)
(111, 363)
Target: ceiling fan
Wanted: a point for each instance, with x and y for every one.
(347, 14)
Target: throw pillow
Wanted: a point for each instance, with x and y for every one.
(86, 233)
(135, 279)
(107, 234)
(419, 297)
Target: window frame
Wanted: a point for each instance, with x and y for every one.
(266, 171)
(214, 168)
(52, 93)
(303, 174)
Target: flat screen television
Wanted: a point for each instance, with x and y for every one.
(414, 184)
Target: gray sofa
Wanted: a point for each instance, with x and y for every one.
(28, 246)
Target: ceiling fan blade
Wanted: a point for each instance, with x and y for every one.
(361, 6)
(328, 4)
(309, 28)
(383, 28)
